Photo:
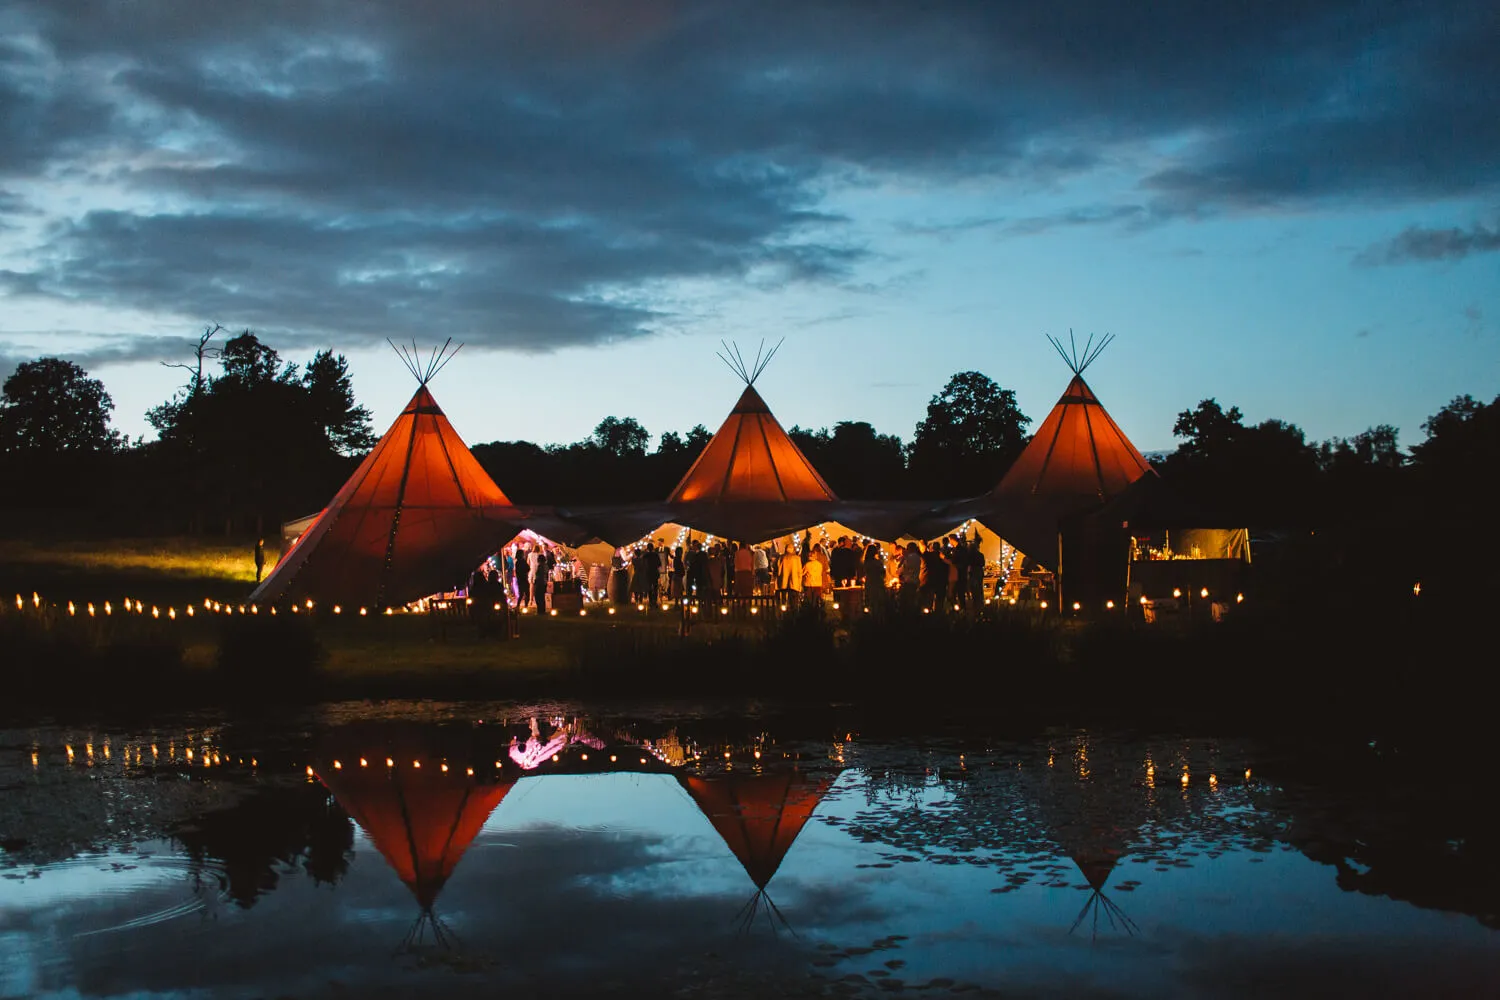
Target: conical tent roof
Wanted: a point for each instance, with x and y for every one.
(1078, 457)
(759, 815)
(420, 819)
(752, 460)
(417, 515)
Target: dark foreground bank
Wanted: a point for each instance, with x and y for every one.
(1408, 666)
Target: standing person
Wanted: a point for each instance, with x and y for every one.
(934, 578)
(821, 555)
(976, 574)
(679, 573)
(843, 563)
(961, 567)
(762, 563)
(874, 576)
(813, 576)
(663, 572)
(523, 576)
(789, 578)
(260, 558)
(538, 563)
(744, 572)
(911, 576)
(715, 571)
(697, 572)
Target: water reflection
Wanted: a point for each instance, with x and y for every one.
(513, 847)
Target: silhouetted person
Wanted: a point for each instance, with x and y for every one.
(910, 576)
(260, 558)
(874, 576)
(934, 578)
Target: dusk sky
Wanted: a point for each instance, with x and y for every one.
(1293, 207)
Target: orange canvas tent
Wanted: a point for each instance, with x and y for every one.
(751, 459)
(1077, 460)
(416, 517)
(751, 483)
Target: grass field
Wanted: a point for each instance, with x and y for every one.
(155, 570)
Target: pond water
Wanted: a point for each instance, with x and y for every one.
(434, 850)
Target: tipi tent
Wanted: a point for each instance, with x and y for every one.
(417, 516)
(759, 816)
(751, 483)
(1078, 459)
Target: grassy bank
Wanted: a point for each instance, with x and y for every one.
(1277, 668)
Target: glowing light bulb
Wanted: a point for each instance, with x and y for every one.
(389, 762)
(309, 771)
(1176, 591)
(1109, 605)
(1203, 592)
(337, 766)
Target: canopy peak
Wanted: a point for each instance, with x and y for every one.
(1077, 360)
(748, 372)
(424, 370)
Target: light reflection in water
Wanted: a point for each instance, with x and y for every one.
(627, 850)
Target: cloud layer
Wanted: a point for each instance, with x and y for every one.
(534, 175)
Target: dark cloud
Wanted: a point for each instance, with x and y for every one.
(1417, 244)
(531, 175)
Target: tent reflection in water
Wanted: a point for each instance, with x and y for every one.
(421, 811)
(415, 518)
(1091, 806)
(759, 816)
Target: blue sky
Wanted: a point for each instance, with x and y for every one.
(1294, 209)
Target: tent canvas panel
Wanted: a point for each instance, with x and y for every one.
(415, 517)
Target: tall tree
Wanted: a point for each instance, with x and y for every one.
(330, 394)
(52, 405)
(973, 431)
(621, 437)
(1262, 474)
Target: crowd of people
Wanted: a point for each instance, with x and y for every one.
(946, 574)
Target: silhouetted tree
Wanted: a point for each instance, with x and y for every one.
(697, 439)
(621, 437)
(330, 394)
(261, 441)
(1266, 474)
(53, 406)
(973, 431)
(856, 460)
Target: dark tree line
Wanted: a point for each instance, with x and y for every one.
(251, 440)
